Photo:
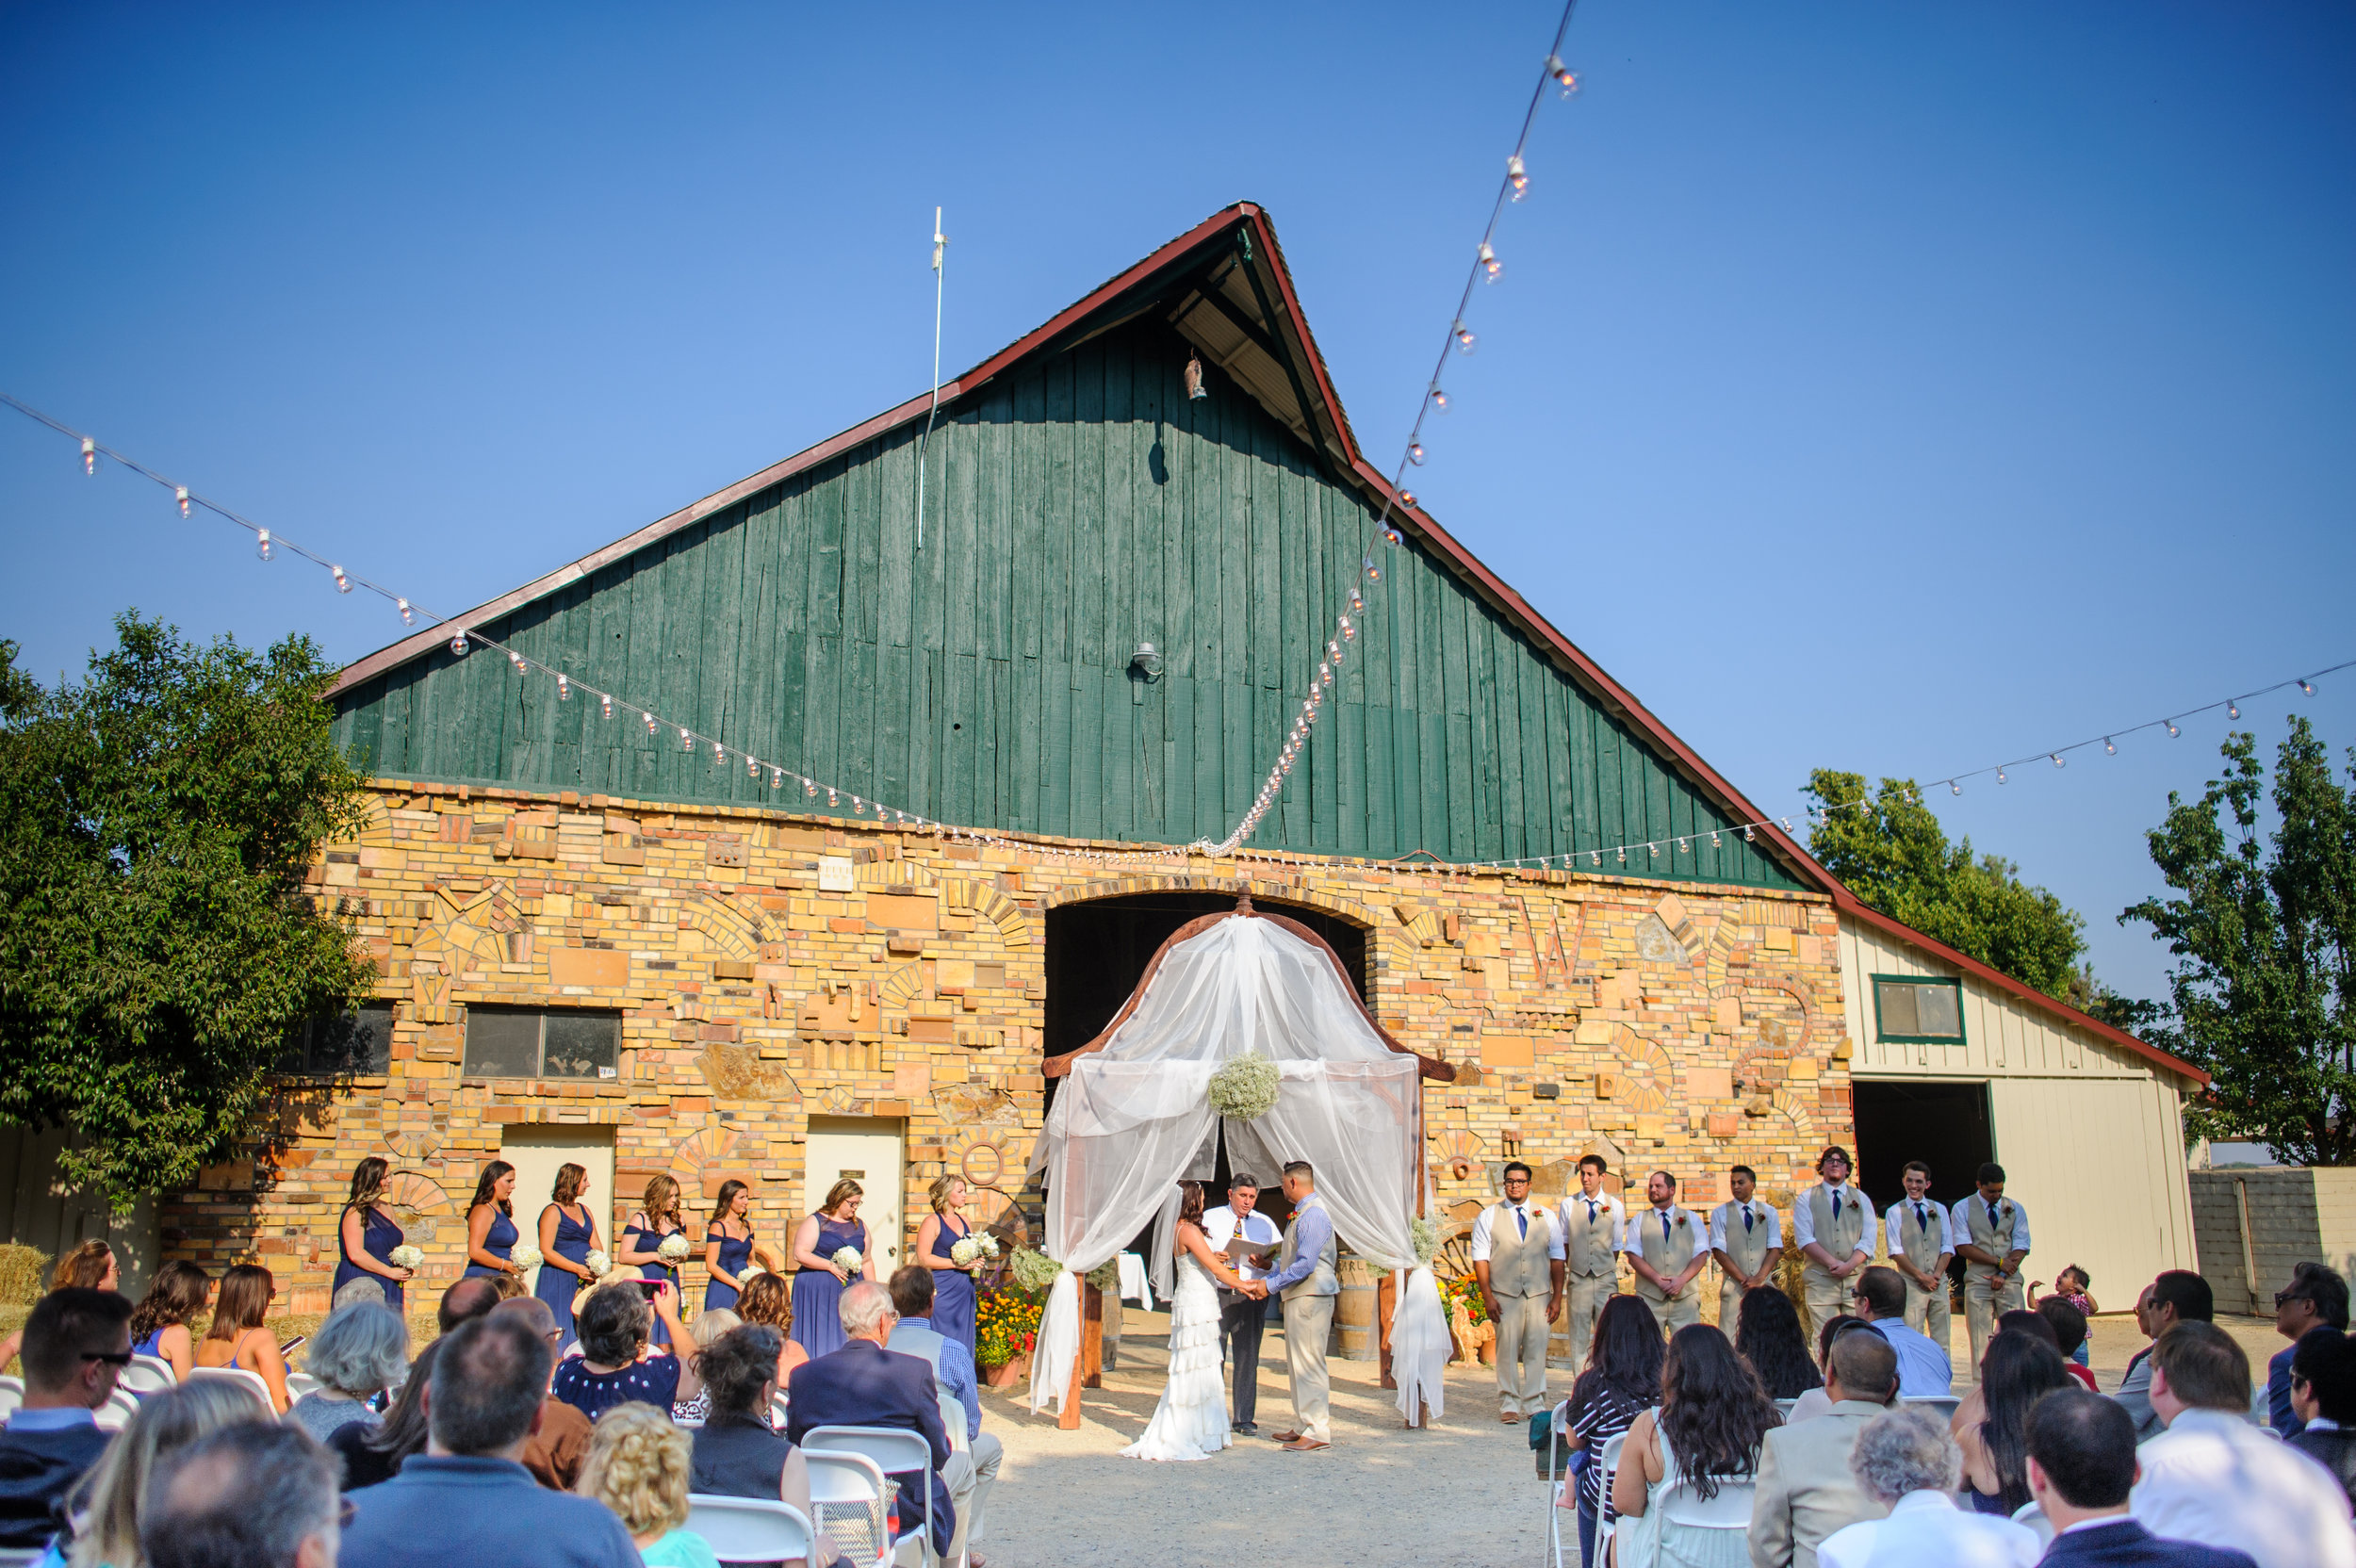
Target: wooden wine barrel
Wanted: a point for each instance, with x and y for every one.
(1356, 1336)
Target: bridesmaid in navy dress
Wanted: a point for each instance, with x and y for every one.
(369, 1234)
(644, 1234)
(730, 1245)
(818, 1287)
(491, 1233)
(569, 1233)
(953, 1282)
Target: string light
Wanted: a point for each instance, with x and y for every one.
(458, 644)
(1465, 338)
(1415, 453)
(2110, 748)
(2233, 710)
(1439, 400)
(408, 616)
(2307, 688)
(2056, 758)
(262, 545)
(605, 704)
(89, 455)
(343, 584)
(1563, 74)
(2172, 730)
(1517, 175)
(564, 688)
(650, 727)
(180, 495)
(1489, 262)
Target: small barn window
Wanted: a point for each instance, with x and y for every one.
(536, 1042)
(1909, 1008)
(342, 1044)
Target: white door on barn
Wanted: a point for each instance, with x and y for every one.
(867, 1150)
(535, 1151)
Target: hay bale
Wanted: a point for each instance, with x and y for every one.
(23, 1274)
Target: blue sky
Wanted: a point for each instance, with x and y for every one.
(1897, 388)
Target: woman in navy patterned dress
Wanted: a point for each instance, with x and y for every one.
(491, 1233)
(613, 1324)
(369, 1234)
(569, 1233)
(818, 1288)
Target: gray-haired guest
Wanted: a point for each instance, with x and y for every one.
(1905, 1461)
(357, 1354)
(253, 1495)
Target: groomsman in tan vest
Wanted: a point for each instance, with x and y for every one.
(1591, 1252)
(1517, 1257)
(1668, 1246)
(1920, 1245)
(1991, 1237)
(1833, 1225)
(1746, 1239)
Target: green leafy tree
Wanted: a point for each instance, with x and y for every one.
(1894, 854)
(156, 940)
(2265, 936)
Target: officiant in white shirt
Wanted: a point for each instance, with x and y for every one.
(1241, 1318)
(1518, 1256)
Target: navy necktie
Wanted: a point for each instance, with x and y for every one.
(1664, 1227)
(1591, 1211)
(1747, 1217)
(1836, 1205)
(1521, 1218)
(1922, 1220)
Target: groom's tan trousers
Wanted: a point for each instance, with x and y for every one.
(1308, 1323)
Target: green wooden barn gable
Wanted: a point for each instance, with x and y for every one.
(1079, 504)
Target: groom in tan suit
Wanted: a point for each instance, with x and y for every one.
(1304, 1278)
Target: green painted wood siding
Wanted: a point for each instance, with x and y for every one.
(1077, 507)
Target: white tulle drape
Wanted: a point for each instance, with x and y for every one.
(1131, 1121)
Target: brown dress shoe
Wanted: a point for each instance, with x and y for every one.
(1305, 1446)
(1284, 1437)
(1506, 1417)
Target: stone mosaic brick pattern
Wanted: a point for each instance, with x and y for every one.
(770, 968)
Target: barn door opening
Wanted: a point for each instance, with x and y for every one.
(1945, 1125)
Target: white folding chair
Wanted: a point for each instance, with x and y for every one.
(251, 1382)
(147, 1375)
(1785, 1405)
(953, 1420)
(779, 1410)
(1943, 1405)
(11, 1396)
(300, 1383)
(1607, 1523)
(22, 1557)
(2032, 1513)
(849, 1500)
(896, 1451)
(751, 1530)
(116, 1413)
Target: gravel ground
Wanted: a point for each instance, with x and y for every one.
(1467, 1483)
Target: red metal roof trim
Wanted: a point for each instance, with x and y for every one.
(1425, 528)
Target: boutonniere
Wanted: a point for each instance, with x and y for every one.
(1679, 1221)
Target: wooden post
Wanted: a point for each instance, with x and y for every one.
(1385, 1303)
(1091, 1336)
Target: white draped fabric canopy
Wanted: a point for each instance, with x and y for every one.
(1131, 1121)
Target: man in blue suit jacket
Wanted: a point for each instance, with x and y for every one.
(862, 1384)
(2082, 1466)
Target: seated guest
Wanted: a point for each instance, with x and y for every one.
(767, 1299)
(2214, 1477)
(2179, 1296)
(1973, 1409)
(1698, 1452)
(862, 1384)
(2069, 1335)
(90, 1266)
(373, 1452)
(637, 1466)
(953, 1377)
(1905, 1461)
(467, 1299)
(1923, 1368)
(1816, 1401)
(2316, 1298)
(1620, 1381)
(254, 1495)
(2018, 1369)
(613, 1323)
(556, 1450)
(2323, 1393)
(2082, 1466)
(357, 1354)
(159, 1324)
(1768, 1335)
(239, 1337)
(737, 1453)
(710, 1325)
(1805, 1490)
(107, 1504)
(468, 1499)
(75, 1345)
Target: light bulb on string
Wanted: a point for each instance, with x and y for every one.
(831, 801)
(1999, 777)
(1415, 454)
(89, 455)
(2055, 758)
(1564, 77)
(261, 544)
(1517, 175)
(1953, 787)
(1595, 857)
(1624, 855)
(810, 788)
(1465, 338)
(564, 688)
(752, 768)
(1374, 572)
(2308, 687)
(719, 754)
(605, 704)
(343, 584)
(1350, 631)
(408, 612)
(1406, 501)
(458, 646)
(2233, 710)
(777, 778)
(1713, 840)
(1332, 650)
(1357, 602)
(515, 659)
(1750, 833)
(1439, 400)
(649, 718)
(180, 494)
(1490, 264)
(2172, 730)
(2110, 748)
(686, 742)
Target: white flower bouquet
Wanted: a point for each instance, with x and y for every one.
(599, 1264)
(1245, 1088)
(526, 1259)
(673, 1246)
(848, 1259)
(964, 1253)
(405, 1256)
(747, 1276)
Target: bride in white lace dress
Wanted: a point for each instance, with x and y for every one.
(1191, 1420)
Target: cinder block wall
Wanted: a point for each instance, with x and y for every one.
(2294, 1216)
(771, 967)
